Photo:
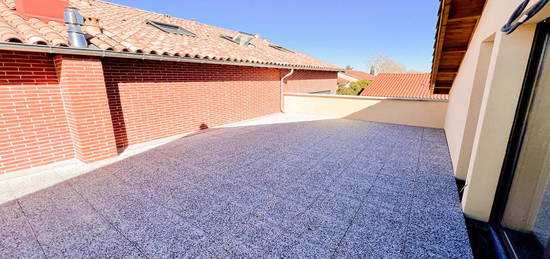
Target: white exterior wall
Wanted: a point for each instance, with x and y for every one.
(481, 164)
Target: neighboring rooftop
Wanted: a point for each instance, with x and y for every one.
(342, 80)
(360, 75)
(403, 85)
(124, 29)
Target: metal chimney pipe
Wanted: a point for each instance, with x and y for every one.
(74, 20)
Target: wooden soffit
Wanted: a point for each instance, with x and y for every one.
(456, 25)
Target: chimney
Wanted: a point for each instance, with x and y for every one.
(74, 20)
(45, 10)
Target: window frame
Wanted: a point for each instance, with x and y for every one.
(281, 48)
(233, 38)
(176, 28)
(515, 142)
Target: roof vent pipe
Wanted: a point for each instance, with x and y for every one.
(74, 20)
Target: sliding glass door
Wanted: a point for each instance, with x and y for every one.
(522, 209)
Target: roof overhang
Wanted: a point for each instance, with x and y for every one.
(456, 25)
(144, 56)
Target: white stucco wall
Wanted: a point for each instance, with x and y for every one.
(504, 76)
(406, 112)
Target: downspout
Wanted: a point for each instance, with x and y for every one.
(282, 87)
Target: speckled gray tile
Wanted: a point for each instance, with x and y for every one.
(355, 188)
(225, 219)
(319, 229)
(362, 170)
(336, 205)
(445, 237)
(16, 236)
(268, 239)
(374, 241)
(67, 226)
(305, 249)
(279, 210)
(311, 189)
(299, 192)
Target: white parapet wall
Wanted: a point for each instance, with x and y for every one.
(404, 111)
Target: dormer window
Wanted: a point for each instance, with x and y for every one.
(241, 38)
(170, 28)
(280, 48)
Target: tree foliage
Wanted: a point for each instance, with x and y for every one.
(354, 88)
(381, 63)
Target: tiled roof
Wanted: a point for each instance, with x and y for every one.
(360, 75)
(342, 80)
(406, 85)
(122, 28)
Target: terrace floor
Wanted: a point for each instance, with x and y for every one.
(281, 186)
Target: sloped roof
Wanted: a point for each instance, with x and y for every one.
(360, 74)
(404, 85)
(342, 80)
(124, 29)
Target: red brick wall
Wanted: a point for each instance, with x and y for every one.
(86, 106)
(303, 81)
(57, 108)
(33, 127)
(153, 99)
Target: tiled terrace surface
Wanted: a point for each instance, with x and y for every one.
(323, 188)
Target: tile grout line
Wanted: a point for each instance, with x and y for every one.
(104, 218)
(172, 210)
(404, 242)
(31, 227)
(352, 221)
(163, 205)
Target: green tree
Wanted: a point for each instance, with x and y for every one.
(354, 88)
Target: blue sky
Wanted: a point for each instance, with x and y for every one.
(340, 32)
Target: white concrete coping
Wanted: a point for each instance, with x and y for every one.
(367, 97)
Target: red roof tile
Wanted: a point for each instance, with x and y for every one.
(406, 85)
(342, 80)
(123, 28)
(360, 74)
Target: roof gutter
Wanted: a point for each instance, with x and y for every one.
(143, 56)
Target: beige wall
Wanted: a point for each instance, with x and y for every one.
(497, 93)
(405, 112)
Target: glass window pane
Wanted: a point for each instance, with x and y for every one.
(527, 214)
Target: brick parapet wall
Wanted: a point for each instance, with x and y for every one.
(57, 108)
(305, 81)
(151, 99)
(86, 106)
(33, 127)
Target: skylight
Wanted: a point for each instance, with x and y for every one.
(242, 38)
(170, 28)
(277, 47)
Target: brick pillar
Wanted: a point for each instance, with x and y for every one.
(86, 107)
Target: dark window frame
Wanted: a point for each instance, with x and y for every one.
(515, 142)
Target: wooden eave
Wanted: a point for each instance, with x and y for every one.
(456, 25)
